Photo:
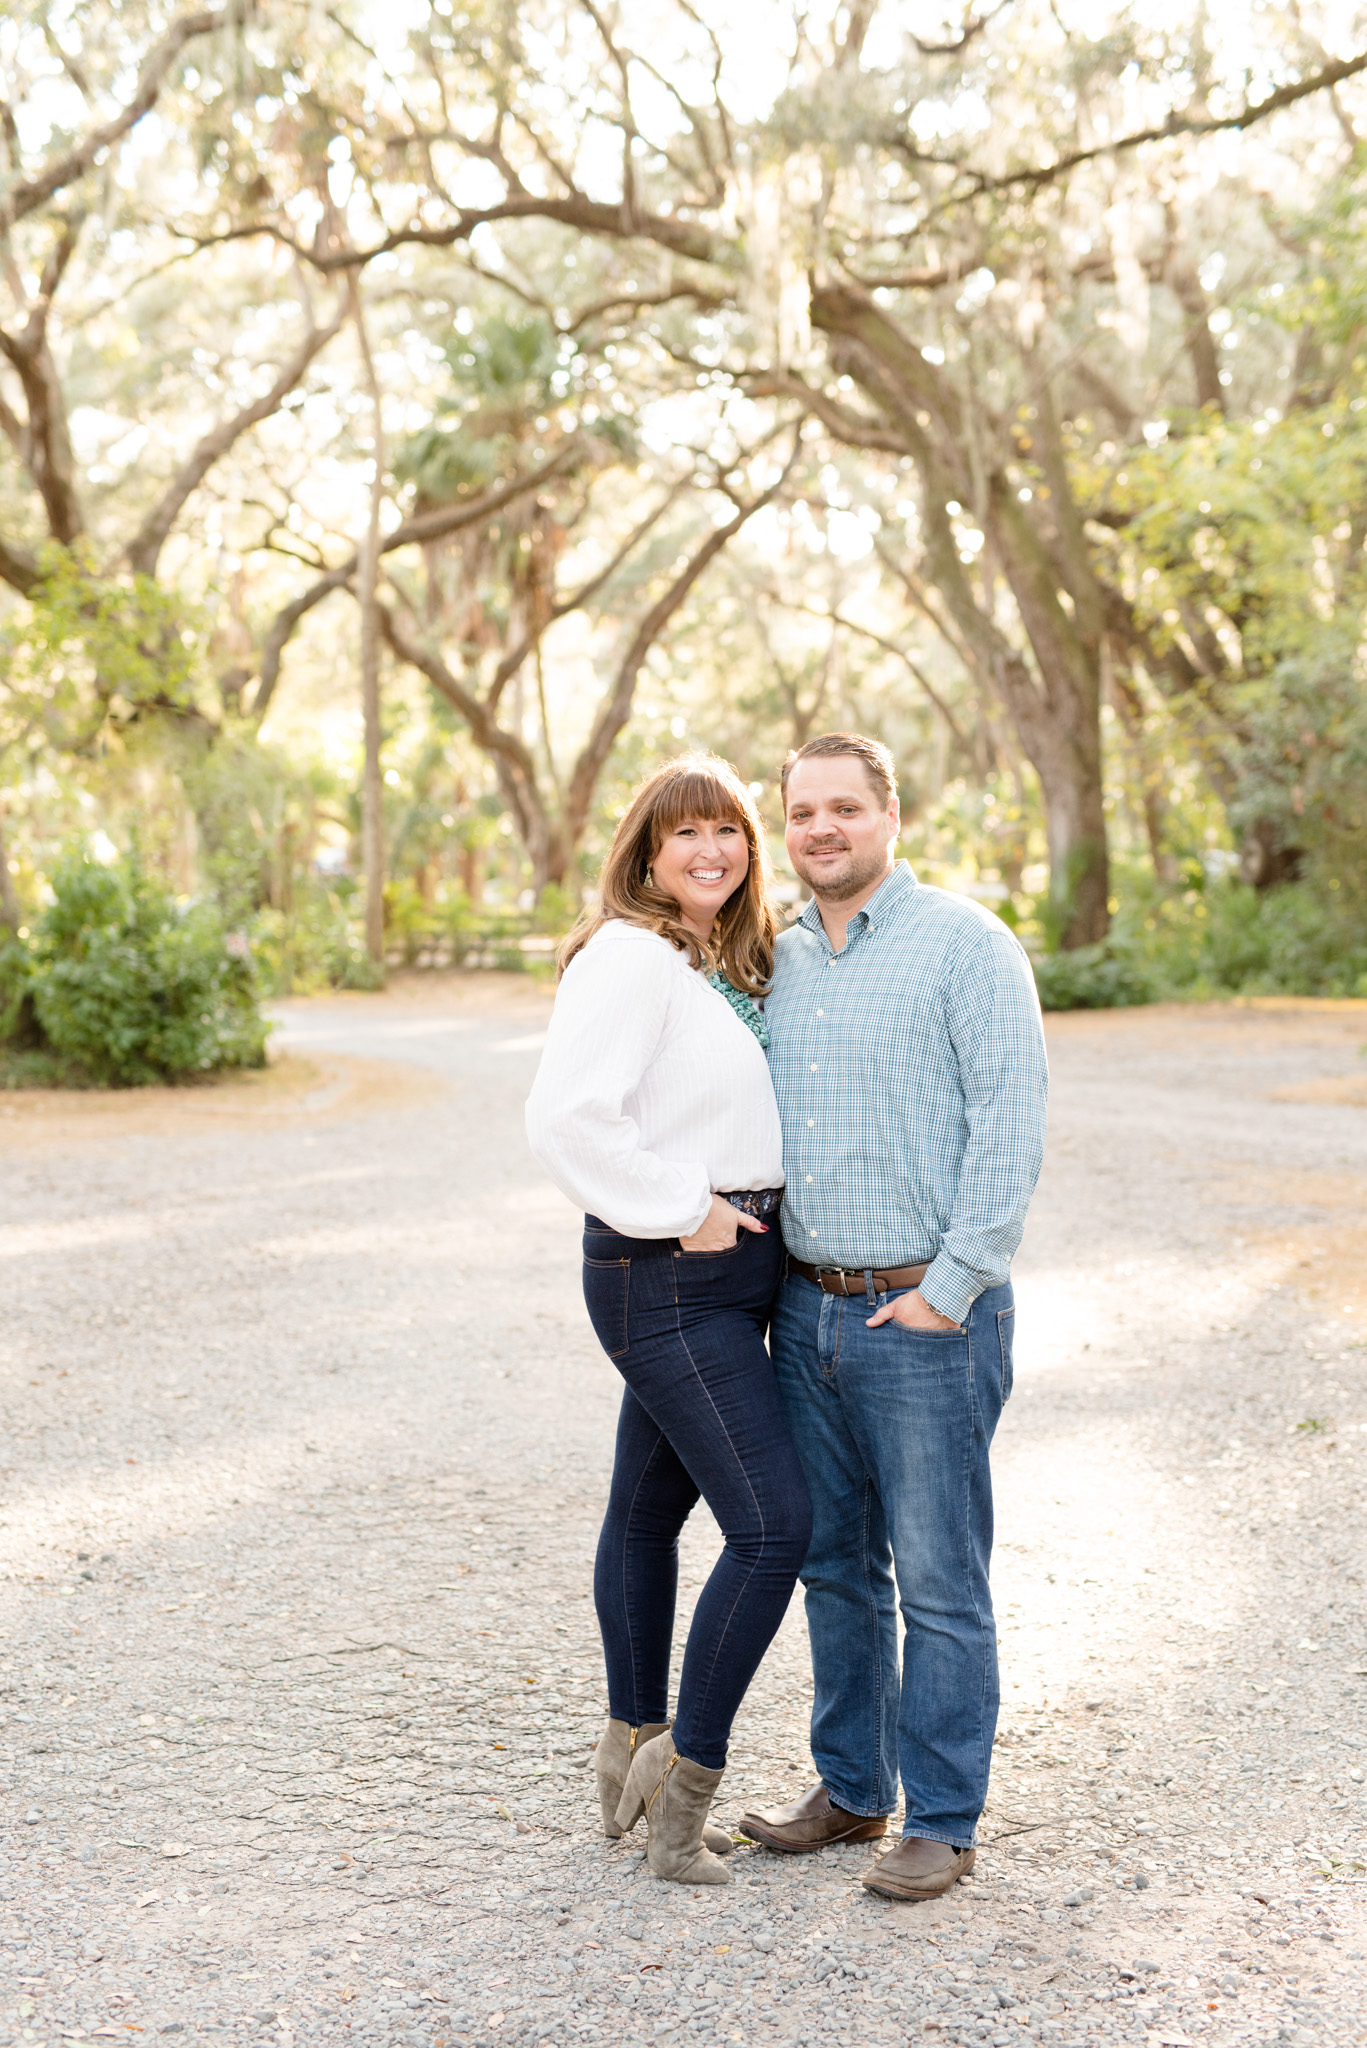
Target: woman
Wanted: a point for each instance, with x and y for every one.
(654, 1111)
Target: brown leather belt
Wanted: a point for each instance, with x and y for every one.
(836, 1279)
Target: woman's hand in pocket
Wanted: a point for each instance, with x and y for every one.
(718, 1229)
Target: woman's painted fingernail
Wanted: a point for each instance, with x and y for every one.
(765, 1228)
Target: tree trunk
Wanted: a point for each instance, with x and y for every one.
(472, 874)
(1054, 702)
(368, 573)
(1075, 830)
(1265, 860)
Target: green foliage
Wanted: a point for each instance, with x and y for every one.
(135, 989)
(1304, 771)
(1211, 942)
(316, 944)
(16, 989)
(1251, 524)
(90, 650)
(1111, 976)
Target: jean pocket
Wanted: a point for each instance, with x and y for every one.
(607, 1291)
(1006, 1330)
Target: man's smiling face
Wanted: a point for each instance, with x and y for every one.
(839, 832)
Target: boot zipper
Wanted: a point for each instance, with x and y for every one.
(660, 1787)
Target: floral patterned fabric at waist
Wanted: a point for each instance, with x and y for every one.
(760, 1202)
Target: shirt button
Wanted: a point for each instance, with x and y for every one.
(830, 963)
(809, 1180)
(821, 1013)
(811, 1123)
(813, 1066)
(811, 1233)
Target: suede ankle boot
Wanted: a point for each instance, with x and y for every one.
(674, 1794)
(617, 1746)
(612, 1760)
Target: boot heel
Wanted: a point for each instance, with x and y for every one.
(642, 1779)
(632, 1804)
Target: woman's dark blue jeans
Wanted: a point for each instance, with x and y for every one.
(700, 1415)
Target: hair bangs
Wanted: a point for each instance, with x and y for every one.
(704, 790)
(698, 792)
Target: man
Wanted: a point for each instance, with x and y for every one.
(908, 1057)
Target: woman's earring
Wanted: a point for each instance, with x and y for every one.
(650, 878)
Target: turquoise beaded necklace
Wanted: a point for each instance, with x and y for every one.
(745, 1007)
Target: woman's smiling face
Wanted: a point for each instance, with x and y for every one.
(701, 864)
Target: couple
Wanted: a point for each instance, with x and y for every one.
(848, 1167)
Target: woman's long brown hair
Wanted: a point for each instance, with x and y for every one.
(705, 788)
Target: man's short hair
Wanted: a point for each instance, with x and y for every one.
(879, 765)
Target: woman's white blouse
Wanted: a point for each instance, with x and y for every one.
(651, 1093)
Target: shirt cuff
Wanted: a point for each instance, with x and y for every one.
(949, 1288)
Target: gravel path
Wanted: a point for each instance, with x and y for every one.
(305, 1446)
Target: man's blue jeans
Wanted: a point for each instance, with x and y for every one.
(893, 1428)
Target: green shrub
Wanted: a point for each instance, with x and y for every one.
(1213, 940)
(1296, 940)
(410, 922)
(1109, 976)
(136, 989)
(318, 944)
(16, 991)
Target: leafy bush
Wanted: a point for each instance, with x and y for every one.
(16, 989)
(1219, 940)
(317, 944)
(136, 989)
(1109, 976)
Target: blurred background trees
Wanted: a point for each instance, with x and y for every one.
(992, 381)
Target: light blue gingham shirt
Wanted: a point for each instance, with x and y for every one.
(911, 1082)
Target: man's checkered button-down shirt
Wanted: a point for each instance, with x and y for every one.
(911, 1081)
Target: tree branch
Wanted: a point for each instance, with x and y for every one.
(926, 280)
(891, 647)
(972, 28)
(1104, 392)
(586, 216)
(510, 754)
(615, 710)
(513, 660)
(28, 194)
(19, 569)
(144, 549)
(429, 526)
(1176, 124)
(641, 299)
(847, 426)
(46, 443)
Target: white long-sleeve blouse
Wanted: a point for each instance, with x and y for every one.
(651, 1094)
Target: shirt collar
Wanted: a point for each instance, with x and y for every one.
(900, 882)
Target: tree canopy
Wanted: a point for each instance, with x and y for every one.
(429, 416)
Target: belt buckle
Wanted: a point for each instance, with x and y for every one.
(838, 1272)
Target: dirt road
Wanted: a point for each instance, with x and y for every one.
(305, 1447)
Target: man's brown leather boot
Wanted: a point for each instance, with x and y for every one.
(812, 1822)
(919, 1869)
